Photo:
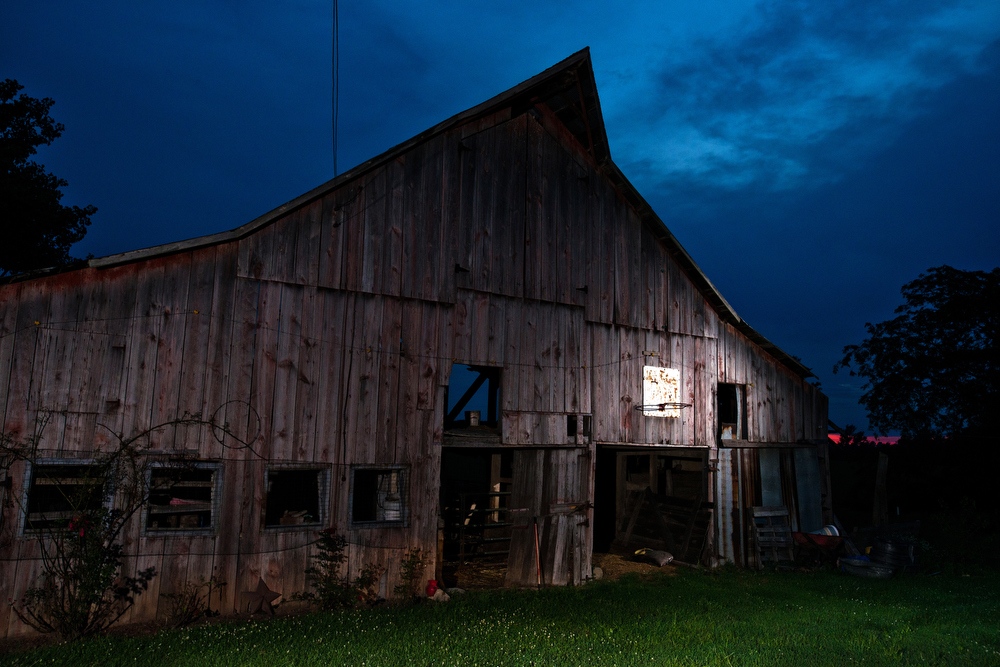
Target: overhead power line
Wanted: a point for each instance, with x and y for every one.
(336, 81)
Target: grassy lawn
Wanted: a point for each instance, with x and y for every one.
(693, 618)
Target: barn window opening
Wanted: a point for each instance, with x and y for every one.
(472, 391)
(59, 492)
(577, 425)
(182, 497)
(379, 496)
(296, 497)
(732, 411)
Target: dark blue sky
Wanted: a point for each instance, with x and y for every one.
(811, 156)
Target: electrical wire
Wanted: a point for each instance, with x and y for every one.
(336, 81)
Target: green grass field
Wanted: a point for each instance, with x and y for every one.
(695, 618)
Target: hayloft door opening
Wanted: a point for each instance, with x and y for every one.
(472, 397)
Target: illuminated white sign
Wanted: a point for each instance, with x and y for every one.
(661, 390)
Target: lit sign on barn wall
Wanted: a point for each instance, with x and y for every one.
(661, 390)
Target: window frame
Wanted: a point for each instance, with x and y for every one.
(739, 391)
(404, 492)
(216, 487)
(29, 478)
(324, 482)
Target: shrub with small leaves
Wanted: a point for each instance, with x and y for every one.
(84, 585)
(334, 590)
(365, 585)
(82, 589)
(191, 602)
(410, 569)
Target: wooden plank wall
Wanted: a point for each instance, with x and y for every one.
(544, 482)
(322, 371)
(617, 357)
(329, 335)
(781, 406)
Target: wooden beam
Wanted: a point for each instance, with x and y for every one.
(474, 438)
(491, 407)
(745, 444)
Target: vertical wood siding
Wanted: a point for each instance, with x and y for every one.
(328, 337)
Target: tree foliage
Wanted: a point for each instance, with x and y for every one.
(934, 369)
(37, 229)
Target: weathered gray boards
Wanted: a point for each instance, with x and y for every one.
(503, 238)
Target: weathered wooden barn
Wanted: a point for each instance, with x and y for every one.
(628, 403)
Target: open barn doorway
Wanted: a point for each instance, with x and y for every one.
(515, 516)
(475, 512)
(654, 497)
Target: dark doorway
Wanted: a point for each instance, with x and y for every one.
(604, 499)
(475, 493)
(654, 497)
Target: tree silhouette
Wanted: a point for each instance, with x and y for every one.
(37, 229)
(934, 369)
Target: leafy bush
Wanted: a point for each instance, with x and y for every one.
(365, 585)
(332, 589)
(82, 589)
(191, 602)
(409, 571)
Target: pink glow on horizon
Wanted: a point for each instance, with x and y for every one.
(882, 440)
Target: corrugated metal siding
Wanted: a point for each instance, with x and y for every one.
(727, 516)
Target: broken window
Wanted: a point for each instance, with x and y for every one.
(296, 496)
(378, 495)
(577, 424)
(732, 411)
(58, 492)
(182, 497)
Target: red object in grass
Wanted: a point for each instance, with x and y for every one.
(826, 541)
(432, 586)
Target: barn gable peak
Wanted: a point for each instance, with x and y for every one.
(567, 91)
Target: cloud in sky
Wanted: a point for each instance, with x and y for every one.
(796, 93)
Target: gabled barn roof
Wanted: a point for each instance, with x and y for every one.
(569, 91)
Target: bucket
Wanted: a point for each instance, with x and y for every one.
(897, 553)
(472, 417)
